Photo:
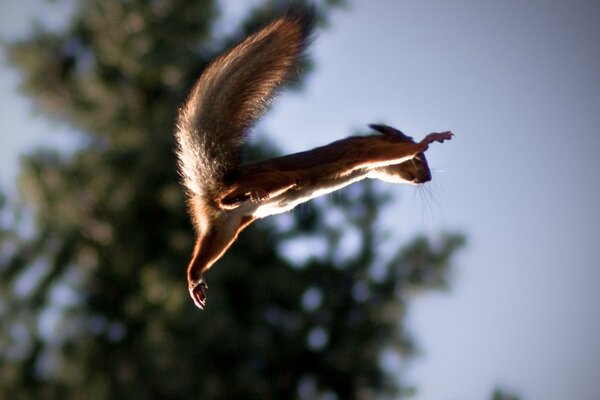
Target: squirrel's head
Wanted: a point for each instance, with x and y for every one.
(415, 171)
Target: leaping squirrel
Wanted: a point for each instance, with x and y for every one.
(234, 91)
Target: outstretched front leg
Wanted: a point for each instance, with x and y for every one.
(321, 167)
(383, 153)
(436, 137)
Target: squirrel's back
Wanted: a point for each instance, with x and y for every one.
(231, 94)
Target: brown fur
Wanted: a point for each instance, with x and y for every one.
(235, 90)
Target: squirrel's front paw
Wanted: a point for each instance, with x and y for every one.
(439, 136)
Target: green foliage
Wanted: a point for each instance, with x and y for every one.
(95, 303)
(500, 394)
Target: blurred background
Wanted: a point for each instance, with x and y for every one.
(483, 284)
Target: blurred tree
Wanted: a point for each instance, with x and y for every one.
(94, 297)
(501, 394)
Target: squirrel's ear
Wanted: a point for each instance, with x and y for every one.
(389, 131)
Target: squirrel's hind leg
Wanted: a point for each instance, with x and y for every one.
(259, 188)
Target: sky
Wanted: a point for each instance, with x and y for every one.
(518, 82)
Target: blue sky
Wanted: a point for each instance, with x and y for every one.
(519, 84)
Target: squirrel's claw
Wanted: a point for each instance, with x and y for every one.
(234, 200)
(259, 195)
(198, 293)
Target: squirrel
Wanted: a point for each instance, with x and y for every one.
(234, 91)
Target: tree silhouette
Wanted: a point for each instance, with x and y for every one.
(94, 296)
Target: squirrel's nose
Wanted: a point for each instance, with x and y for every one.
(422, 179)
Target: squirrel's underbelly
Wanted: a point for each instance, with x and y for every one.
(300, 194)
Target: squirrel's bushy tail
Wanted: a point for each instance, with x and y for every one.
(231, 94)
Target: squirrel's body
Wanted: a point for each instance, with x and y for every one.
(224, 197)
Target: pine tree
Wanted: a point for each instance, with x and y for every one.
(94, 299)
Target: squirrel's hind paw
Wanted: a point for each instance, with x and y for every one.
(198, 294)
(259, 195)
